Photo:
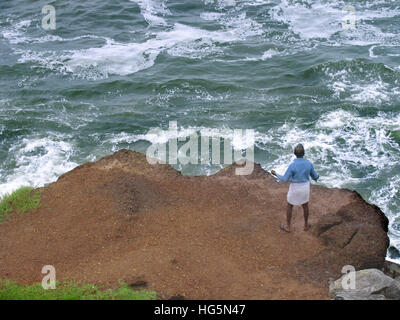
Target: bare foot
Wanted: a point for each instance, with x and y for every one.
(306, 227)
(285, 228)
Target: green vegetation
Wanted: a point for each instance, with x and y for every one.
(21, 201)
(10, 290)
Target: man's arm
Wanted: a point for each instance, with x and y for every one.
(286, 176)
(314, 175)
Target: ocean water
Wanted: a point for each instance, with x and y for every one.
(290, 70)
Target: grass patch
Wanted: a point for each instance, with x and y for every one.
(21, 201)
(10, 290)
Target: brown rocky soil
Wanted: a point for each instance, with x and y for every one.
(214, 237)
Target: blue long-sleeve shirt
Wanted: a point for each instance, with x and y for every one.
(299, 170)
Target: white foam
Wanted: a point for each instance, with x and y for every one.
(371, 52)
(234, 19)
(15, 33)
(363, 85)
(38, 161)
(112, 58)
(386, 198)
(321, 19)
(372, 91)
(309, 19)
(269, 54)
(239, 141)
(340, 140)
(211, 16)
(221, 4)
(128, 58)
(240, 25)
(152, 11)
(123, 59)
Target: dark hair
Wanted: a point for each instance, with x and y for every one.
(299, 151)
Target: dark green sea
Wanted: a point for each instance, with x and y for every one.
(290, 70)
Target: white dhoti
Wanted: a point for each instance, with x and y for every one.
(299, 193)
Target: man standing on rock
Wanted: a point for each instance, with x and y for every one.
(298, 173)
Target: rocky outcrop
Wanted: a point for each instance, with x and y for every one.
(214, 237)
(392, 269)
(369, 284)
(348, 235)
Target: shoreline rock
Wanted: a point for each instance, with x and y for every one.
(199, 237)
(368, 284)
(392, 269)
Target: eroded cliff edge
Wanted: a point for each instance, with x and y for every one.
(214, 237)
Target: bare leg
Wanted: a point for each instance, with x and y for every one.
(288, 218)
(306, 213)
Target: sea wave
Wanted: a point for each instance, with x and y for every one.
(38, 161)
(286, 68)
(153, 11)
